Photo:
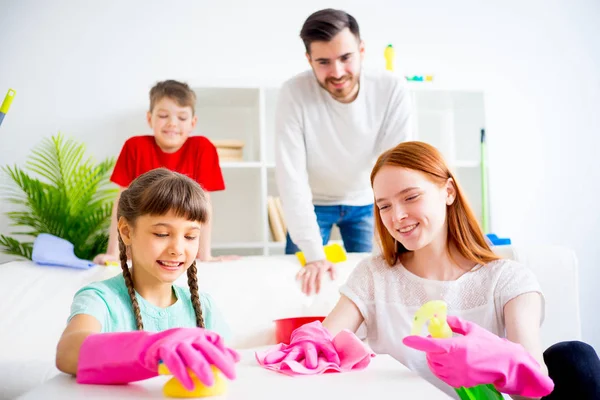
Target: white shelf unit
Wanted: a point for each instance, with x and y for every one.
(452, 121)
(448, 119)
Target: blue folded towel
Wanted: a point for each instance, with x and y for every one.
(52, 250)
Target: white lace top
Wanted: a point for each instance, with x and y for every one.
(388, 298)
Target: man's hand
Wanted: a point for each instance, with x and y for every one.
(312, 273)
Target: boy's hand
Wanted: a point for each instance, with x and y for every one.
(103, 259)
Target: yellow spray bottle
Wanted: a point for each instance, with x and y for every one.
(435, 313)
(389, 55)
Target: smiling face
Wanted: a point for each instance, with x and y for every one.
(337, 63)
(162, 247)
(171, 124)
(412, 207)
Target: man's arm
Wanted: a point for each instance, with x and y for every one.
(292, 178)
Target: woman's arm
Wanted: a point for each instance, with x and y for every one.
(345, 315)
(522, 316)
(67, 350)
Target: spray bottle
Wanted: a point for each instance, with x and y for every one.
(389, 55)
(434, 313)
(6, 104)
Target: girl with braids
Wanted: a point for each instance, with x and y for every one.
(121, 328)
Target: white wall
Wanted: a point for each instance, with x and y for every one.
(85, 68)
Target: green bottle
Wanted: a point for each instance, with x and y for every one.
(480, 392)
(435, 313)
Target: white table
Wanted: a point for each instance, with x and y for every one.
(384, 378)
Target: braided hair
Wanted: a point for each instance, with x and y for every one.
(158, 192)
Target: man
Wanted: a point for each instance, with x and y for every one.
(331, 124)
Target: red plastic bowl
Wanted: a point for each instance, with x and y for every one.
(285, 326)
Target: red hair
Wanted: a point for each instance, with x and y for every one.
(464, 231)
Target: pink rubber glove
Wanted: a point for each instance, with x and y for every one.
(306, 342)
(312, 351)
(122, 357)
(480, 357)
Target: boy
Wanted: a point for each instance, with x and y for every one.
(172, 119)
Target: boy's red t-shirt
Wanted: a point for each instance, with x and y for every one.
(197, 158)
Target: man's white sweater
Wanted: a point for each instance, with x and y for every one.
(325, 149)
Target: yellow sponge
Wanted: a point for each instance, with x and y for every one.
(174, 388)
(333, 252)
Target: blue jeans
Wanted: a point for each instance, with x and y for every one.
(355, 223)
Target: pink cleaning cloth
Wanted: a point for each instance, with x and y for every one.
(312, 351)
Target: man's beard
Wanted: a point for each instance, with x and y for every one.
(341, 93)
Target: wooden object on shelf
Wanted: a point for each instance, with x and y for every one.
(226, 154)
(275, 222)
(228, 143)
(229, 149)
(280, 211)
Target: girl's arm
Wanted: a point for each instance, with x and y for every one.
(522, 316)
(345, 315)
(67, 351)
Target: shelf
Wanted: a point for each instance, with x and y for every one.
(241, 164)
(438, 85)
(458, 164)
(466, 164)
(238, 245)
(450, 118)
(237, 209)
(281, 245)
(249, 245)
(230, 97)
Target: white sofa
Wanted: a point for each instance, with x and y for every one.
(251, 293)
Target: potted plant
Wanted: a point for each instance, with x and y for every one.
(62, 192)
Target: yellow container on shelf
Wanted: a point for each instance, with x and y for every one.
(389, 55)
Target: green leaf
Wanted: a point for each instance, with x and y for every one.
(14, 247)
(62, 192)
